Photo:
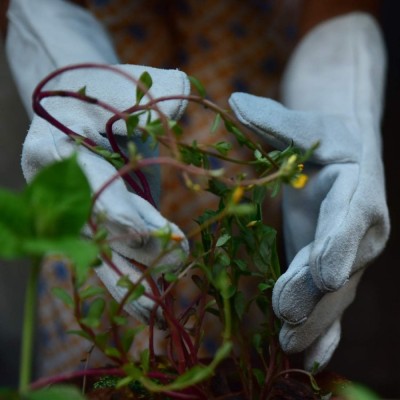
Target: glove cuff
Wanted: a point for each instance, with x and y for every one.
(48, 34)
(338, 68)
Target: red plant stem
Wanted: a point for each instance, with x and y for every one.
(146, 192)
(152, 354)
(75, 375)
(178, 345)
(274, 347)
(39, 95)
(169, 317)
(176, 395)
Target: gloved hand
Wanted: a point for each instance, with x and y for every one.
(48, 34)
(337, 224)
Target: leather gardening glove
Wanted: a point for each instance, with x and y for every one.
(337, 224)
(48, 34)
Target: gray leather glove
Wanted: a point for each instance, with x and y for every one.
(336, 225)
(48, 34)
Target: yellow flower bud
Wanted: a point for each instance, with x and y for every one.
(251, 224)
(299, 181)
(237, 194)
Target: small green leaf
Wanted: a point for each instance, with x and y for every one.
(222, 240)
(131, 124)
(112, 352)
(133, 371)
(223, 147)
(145, 84)
(136, 293)
(91, 291)
(198, 85)
(82, 91)
(102, 339)
(170, 277)
(259, 375)
(128, 336)
(119, 320)
(240, 136)
(125, 282)
(94, 313)
(96, 308)
(114, 159)
(145, 360)
(124, 382)
(257, 341)
(239, 302)
(241, 209)
(193, 376)
(63, 295)
(80, 333)
(216, 122)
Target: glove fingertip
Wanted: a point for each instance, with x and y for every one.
(321, 351)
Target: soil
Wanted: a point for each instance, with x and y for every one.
(285, 388)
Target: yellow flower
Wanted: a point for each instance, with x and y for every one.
(299, 181)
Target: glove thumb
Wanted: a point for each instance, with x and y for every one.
(281, 127)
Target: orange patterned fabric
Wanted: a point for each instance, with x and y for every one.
(229, 45)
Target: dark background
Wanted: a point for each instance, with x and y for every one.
(369, 351)
(370, 348)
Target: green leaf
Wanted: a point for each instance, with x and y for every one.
(63, 295)
(356, 391)
(131, 124)
(259, 375)
(60, 199)
(125, 282)
(114, 159)
(222, 240)
(132, 371)
(80, 333)
(241, 209)
(192, 155)
(170, 277)
(15, 223)
(56, 392)
(82, 91)
(144, 87)
(198, 85)
(216, 122)
(145, 360)
(239, 302)
(119, 320)
(223, 147)
(257, 342)
(193, 376)
(81, 252)
(91, 291)
(112, 352)
(240, 136)
(127, 338)
(96, 308)
(136, 293)
(9, 394)
(94, 313)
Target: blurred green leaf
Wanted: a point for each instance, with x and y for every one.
(56, 392)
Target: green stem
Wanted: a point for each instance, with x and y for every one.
(28, 327)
